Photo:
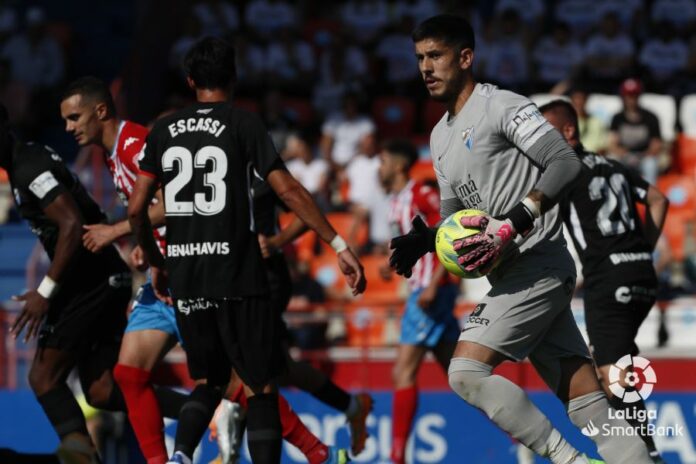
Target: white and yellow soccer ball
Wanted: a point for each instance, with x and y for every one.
(450, 230)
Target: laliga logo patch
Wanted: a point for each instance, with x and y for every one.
(468, 137)
(641, 390)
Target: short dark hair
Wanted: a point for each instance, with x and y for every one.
(210, 63)
(402, 148)
(565, 107)
(452, 29)
(93, 88)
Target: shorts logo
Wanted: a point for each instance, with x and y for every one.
(590, 430)
(623, 295)
(475, 317)
(189, 305)
(637, 374)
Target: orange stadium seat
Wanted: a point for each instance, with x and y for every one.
(343, 222)
(324, 269)
(681, 191)
(366, 325)
(394, 116)
(380, 291)
(685, 155)
(677, 225)
(423, 170)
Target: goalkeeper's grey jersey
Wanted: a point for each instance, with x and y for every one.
(479, 158)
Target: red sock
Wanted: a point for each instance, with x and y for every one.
(294, 431)
(404, 408)
(143, 411)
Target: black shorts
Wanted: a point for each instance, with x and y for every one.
(280, 286)
(240, 334)
(88, 313)
(613, 314)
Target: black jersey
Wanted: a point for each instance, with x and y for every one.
(600, 213)
(203, 157)
(37, 177)
(266, 206)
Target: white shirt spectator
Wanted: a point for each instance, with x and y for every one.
(664, 59)
(346, 135)
(310, 175)
(555, 61)
(279, 61)
(417, 10)
(217, 17)
(679, 12)
(617, 47)
(267, 16)
(39, 65)
(528, 10)
(397, 51)
(506, 63)
(625, 10)
(580, 15)
(366, 191)
(365, 18)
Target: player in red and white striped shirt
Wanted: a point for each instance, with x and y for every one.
(89, 113)
(428, 323)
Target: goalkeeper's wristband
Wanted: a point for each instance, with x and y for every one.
(522, 216)
(338, 244)
(47, 288)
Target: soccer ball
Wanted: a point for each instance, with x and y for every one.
(450, 230)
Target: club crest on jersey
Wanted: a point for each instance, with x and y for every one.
(468, 137)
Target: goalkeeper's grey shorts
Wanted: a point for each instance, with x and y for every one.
(527, 314)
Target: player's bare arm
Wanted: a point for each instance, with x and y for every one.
(298, 199)
(139, 219)
(429, 293)
(64, 212)
(287, 234)
(98, 236)
(657, 205)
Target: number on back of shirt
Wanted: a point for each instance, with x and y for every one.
(616, 195)
(213, 161)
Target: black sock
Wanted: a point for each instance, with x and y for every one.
(632, 415)
(170, 401)
(195, 416)
(332, 395)
(264, 433)
(63, 412)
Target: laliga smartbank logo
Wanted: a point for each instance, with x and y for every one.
(631, 379)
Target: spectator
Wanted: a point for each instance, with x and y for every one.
(415, 10)
(400, 64)
(634, 137)
(251, 66)
(507, 63)
(556, 56)
(580, 15)
(350, 58)
(664, 55)
(609, 54)
(332, 88)
(312, 172)
(681, 13)
(369, 202)
(343, 132)
(276, 119)
(365, 18)
(290, 63)
(35, 58)
(531, 12)
(593, 132)
(628, 12)
(217, 17)
(266, 17)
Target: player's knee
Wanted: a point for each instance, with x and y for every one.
(465, 375)
(41, 382)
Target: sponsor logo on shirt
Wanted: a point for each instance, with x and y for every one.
(468, 194)
(468, 137)
(44, 183)
(475, 318)
(189, 305)
(129, 141)
(198, 249)
(618, 258)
